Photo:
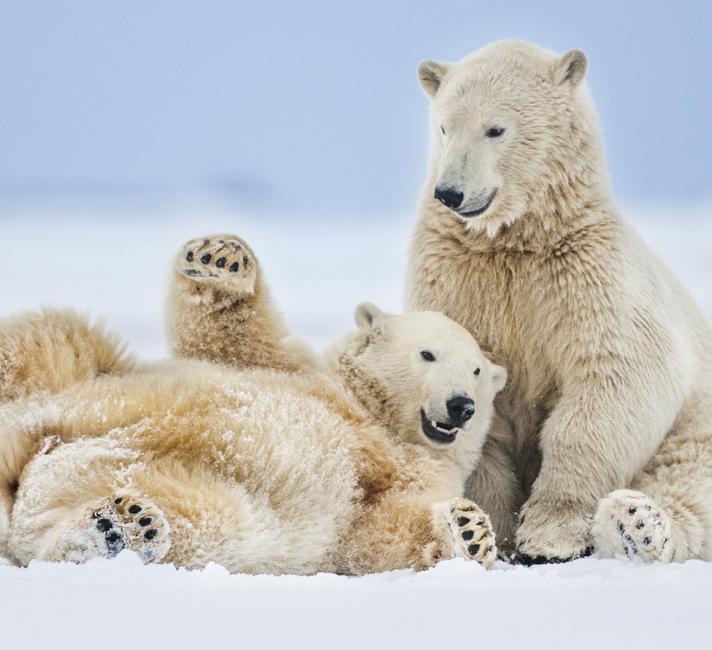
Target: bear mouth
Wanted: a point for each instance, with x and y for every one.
(438, 431)
(481, 210)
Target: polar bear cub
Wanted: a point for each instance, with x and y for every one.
(252, 452)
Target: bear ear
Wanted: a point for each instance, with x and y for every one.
(431, 74)
(570, 68)
(368, 316)
(499, 377)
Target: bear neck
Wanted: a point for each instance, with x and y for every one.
(363, 387)
(573, 195)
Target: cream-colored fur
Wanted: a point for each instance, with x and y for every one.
(610, 363)
(262, 462)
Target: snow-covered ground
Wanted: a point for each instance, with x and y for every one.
(113, 263)
(589, 604)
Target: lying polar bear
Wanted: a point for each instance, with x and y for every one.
(266, 463)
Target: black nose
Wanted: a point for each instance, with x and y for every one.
(449, 197)
(460, 409)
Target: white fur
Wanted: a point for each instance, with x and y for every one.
(610, 362)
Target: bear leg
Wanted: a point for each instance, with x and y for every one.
(219, 309)
(51, 349)
(402, 533)
(667, 513)
(125, 521)
(471, 531)
(629, 523)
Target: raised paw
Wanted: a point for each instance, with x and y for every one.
(629, 523)
(471, 532)
(221, 261)
(129, 521)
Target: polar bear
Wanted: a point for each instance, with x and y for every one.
(607, 416)
(269, 461)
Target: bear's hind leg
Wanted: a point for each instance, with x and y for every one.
(129, 520)
(81, 500)
(111, 525)
(51, 349)
(629, 523)
(219, 309)
(667, 516)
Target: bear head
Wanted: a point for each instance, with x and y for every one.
(422, 376)
(512, 125)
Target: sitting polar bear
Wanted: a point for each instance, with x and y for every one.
(265, 463)
(607, 416)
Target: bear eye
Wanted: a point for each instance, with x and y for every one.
(495, 132)
(477, 371)
(427, 355)
(442, 128)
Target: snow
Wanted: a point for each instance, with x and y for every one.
(591, 603)
(113, 263)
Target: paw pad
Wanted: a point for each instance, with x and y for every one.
(227, 262)
(629, 523)
(124, 522)
(471, 531)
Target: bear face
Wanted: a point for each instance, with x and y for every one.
(505, 120)
(425, 378)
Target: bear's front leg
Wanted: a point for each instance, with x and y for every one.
(399, 533)
(553, 530)
(468, 531)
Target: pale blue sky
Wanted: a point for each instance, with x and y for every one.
(314, 107)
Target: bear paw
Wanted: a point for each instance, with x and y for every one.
(471, 532)
(134, 523)
(222, 262)
(629, 523)
(551, 533)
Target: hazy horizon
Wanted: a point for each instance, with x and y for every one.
(315, 108)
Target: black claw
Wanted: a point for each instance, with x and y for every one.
(103, 525)
(530, 560)
(621, 528)
(144, 521)
(640, 524)
(473, 549)
(206, 258)
(647, 540)
(220, 263)
(118, 501)
(189, 256)
(234, 267)
(150, 534)
(461, 521)
(135, 509)
(468, 535)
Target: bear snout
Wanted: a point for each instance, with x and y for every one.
(460, 409)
